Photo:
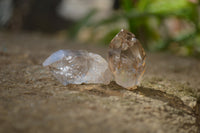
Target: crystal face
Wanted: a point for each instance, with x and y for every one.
(126, 59)
(78, 66)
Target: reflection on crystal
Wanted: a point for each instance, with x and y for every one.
(126, 59)
(78, 66)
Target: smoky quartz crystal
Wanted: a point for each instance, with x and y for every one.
(126, 58)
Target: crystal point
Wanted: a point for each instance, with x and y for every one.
(126, 59)
(78, 66)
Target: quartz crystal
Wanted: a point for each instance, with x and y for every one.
(126, 59)
(78, 66)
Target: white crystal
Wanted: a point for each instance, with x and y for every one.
(78, 66)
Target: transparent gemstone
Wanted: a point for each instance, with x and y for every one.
(78, 66)
(126, 59)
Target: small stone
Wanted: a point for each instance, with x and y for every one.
(126, 59)
(78, 66)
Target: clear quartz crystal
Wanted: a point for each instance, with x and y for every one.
(126, 59)
(78, 66)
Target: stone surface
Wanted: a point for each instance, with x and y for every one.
(32, 101)
(78, 66)
(126, 59)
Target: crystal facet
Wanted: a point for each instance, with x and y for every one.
(78, 66)
(126, 59)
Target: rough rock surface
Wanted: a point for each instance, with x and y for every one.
(31, 100)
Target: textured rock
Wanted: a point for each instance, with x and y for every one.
(78, 66)
(126, 59)
(32, 102)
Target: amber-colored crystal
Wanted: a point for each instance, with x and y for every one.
(126, 59)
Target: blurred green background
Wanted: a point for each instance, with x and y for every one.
(161, 25)
(171, 25)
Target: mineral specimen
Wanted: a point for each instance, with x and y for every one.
(126, 59)
(78, 66)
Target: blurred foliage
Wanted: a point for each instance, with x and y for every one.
(148, 20)
(75, 29)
